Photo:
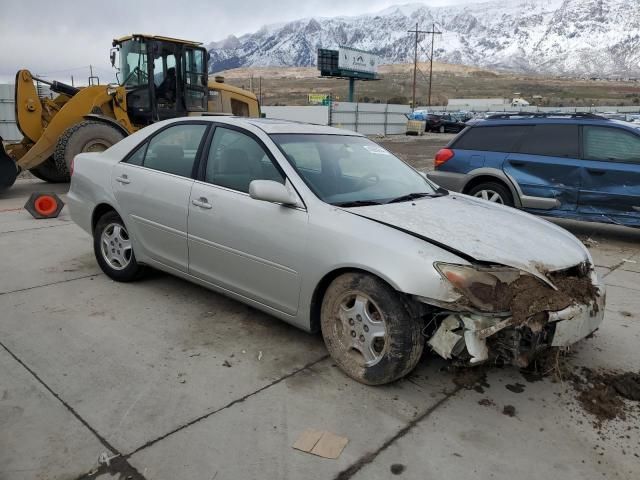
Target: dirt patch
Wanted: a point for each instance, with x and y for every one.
(486, 402)
(602, 393)
(528, 298)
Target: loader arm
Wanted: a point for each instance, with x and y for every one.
(92, 99)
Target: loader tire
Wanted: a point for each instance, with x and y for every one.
(86, 136)
(49, 171)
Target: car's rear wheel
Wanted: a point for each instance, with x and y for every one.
(492, 192)
(114, 250)
(369, 330)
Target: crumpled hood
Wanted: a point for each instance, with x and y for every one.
(485, 231)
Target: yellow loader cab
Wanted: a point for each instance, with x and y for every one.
(158, 78)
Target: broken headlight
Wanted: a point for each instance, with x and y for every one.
(486, 288)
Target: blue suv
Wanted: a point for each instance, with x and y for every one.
(579, 166)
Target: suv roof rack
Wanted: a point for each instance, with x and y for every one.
(509, 116)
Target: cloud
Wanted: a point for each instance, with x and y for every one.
(62, 38)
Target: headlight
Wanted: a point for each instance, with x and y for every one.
(487, 289)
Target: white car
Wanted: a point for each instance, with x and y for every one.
(328, 231)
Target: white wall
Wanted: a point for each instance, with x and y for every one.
(316, 114)
(370, 118)
(8, 129)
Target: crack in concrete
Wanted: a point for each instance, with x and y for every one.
(50, 284)
(368, 458)
(35, 228)
(228, 405)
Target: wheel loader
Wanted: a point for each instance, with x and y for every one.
(158, 78)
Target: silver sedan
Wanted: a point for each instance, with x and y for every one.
(328, 231)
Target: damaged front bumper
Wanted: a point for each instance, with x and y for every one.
(475, 338)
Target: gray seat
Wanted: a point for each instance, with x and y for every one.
(234, 170)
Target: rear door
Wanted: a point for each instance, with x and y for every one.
(611, 174)
(484, 147)
(152, 187)
(547, 167)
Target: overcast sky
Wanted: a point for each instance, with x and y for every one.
(62, 38)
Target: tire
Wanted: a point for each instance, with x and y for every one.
(86, 136)
(441, 129)
(359, 304)
(126, 269)
(50, 172)
(491, 189)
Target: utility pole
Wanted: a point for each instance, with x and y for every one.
(416, 32)
(433, 33)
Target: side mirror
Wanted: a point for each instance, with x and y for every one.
(112, 56)
(270, 191)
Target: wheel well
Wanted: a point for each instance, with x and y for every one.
(323, 285)
(98, 212)
(484, 179)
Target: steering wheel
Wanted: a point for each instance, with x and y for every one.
(143, 76)
(365, 180)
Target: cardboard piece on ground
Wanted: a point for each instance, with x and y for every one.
(321, 443)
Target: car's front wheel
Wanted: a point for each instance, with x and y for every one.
(492, 192)
(369, 329)
(113, 249)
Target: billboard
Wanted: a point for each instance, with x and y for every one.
(357, 60)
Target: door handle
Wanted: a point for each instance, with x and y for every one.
(202, 203)
(595, 171)
(123, 179)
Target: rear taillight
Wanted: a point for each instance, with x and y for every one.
(443, 156)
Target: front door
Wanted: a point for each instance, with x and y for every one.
(546, 167)
(611, 174)
(153, 186)
(250, 247)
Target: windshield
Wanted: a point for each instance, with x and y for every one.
(347, 170)
(133, 63)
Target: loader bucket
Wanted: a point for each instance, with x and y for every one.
(8, 169)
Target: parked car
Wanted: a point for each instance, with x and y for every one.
(451, 123)
(579, 166)
(328, 231)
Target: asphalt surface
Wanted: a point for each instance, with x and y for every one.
(177, 382)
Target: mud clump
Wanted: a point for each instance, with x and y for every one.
(509, 411)
(529, 297)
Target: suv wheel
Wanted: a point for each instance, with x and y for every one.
(493, 192)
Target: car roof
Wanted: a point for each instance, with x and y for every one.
(273, 125)
(551, 120)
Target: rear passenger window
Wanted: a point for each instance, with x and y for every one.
(236, 159)
(552, 141)
(137, 157)
(601, 143)
(174, 150)
(491, 139)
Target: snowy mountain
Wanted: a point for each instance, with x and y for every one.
(575, 37)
